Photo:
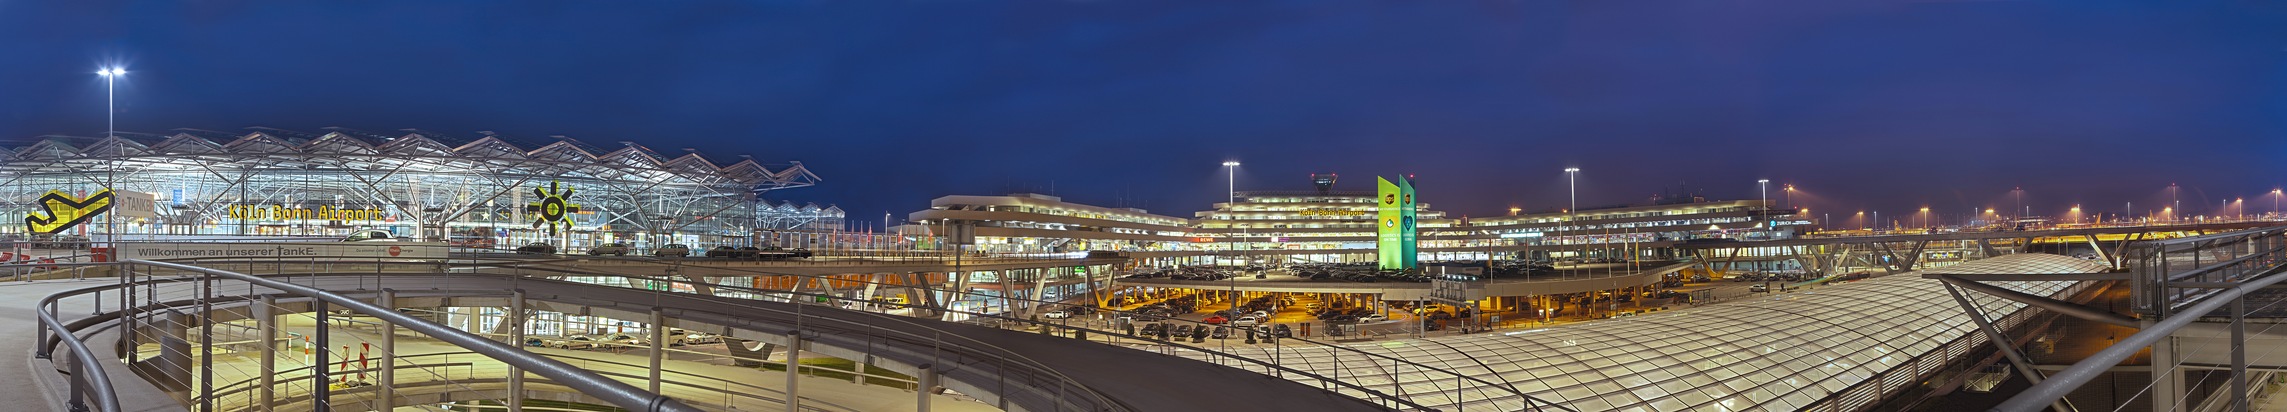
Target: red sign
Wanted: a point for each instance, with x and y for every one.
(393, 251)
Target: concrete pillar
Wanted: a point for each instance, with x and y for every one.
(174, 360)
(793, 371)
(2167, 380)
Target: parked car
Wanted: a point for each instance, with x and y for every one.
(723, 252)
(537, 247)
(1759, 287)
(1249, 320)
(1221, 333)
(372, 236)
(1182, 330)
(574, 342)
(614, 249)
(678, 336)
(672, 249)
(1215, 320)
(1281, 330)
(1056, 314)
(626, 339)
(1377, 317)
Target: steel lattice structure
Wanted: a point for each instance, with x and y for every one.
(423, 182)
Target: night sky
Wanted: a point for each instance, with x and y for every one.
(1880, 105)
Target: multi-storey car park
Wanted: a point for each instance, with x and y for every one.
(486, 190)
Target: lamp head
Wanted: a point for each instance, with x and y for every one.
(1231, 163)
(1571, 169)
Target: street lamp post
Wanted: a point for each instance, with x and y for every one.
(1232, 192)
(110, 129)
(1790, 204)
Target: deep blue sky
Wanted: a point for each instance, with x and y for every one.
(1867, 105)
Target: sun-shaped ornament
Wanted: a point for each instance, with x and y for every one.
(554, 208)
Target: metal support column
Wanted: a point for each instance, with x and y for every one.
(793, 371)
(924, 384)
(2239, 353)
(388, 398)
(206, 341)
(2002, 342)
(320, 384)
(515, 320)
(658, 344)
(266, 329)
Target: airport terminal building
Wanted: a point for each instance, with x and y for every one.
(1336, 226)
(470, 190)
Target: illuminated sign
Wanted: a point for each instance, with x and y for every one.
(60, 211)
(1332, 213)
(1518, 235)
(1394, 240)
(553, 208)
(282, 212)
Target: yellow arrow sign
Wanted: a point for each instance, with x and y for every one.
(60, 211)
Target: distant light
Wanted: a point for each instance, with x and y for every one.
(1231, 163)
(111, 71)
(1572, 169)
(1762, 180)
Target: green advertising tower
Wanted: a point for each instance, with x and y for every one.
(1394, 239)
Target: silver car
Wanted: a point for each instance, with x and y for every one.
(672, 249)
(614, 249)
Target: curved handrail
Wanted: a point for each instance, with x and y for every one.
(233, 388)
(543, 264)
(106, 398)
(918, 339)
(1528, 399)
(618, 393)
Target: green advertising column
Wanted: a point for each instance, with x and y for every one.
(1406, 238)
(1394, 240)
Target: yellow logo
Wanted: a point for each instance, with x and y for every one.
(554, 207)
(60, 211)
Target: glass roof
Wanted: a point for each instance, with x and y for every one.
(1781, 352)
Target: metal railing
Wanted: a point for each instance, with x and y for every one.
(530, 265)
(612, 391)
(2178, 282)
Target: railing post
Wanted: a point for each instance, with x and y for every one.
(321, 394)
(793, 371)
(2239, 353)
(515, 319)
(266, 325)
(924, 383)
(658, 344)
(388, 397)
(206, 341)
(77, 382)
